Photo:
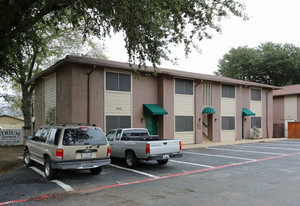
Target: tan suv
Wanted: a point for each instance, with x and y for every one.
(68, 146)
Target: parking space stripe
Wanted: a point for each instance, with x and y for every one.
(222, 156)
(279, 143)
(66, 187)
(136, 171)
(266, 147)
(190, 163)
(147, 180)
(235, 150)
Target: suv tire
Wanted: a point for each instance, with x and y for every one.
(96, 171)
(48, 170)
(131, 159)
(26, 158)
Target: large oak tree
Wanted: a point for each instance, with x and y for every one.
(148, 27)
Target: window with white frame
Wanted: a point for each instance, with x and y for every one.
(207, 94)
(114, 122)
(256, 94)
(184, 123)
(228, 123)
(228, 91)
(256, 122)
(184, 86)
(118, 82)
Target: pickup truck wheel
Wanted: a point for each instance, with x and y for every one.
(162, 162)
(27, 160)
(131, 159)
(48, 170)
(96, 171)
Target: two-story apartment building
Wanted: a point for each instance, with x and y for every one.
(171, 103)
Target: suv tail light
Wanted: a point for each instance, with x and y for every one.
(59, 153)
(108, 151)
(147, 148)
(180, 145)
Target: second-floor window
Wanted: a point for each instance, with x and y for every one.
(118, 82)
(228, 91)
(184, 86)
(256, 94)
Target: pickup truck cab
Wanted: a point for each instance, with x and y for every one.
(138, 144)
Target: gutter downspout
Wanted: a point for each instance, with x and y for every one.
(88, 94)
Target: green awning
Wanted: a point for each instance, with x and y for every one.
(247, 112)
(153, 109)
(208, 110)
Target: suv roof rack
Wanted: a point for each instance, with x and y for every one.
(65, 124)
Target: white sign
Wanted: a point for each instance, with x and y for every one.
(11, 137)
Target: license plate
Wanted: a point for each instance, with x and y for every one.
(166, 156)
(86, 155)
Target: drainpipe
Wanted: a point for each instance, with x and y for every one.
(88, 94)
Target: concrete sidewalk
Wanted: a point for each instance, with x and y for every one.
(244, 141)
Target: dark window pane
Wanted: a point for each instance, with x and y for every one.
(84, 136)
(256, 94)
(112, 122)
(188, 87)
(124, 122)
(256, 122)
(179, 123)
(124, 82)
(179, 86)
(57, 135)
(112, 81)
(228, 123)
(51, 136)
(228, 91)
(188, 123)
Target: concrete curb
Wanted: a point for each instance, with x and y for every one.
(244, 141)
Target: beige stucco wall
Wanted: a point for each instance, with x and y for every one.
(198, 111)
(238, 112)
(246, 104)
(217, 116)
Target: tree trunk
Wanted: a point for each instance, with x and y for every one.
(26, 108)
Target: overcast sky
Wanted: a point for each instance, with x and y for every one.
(270, 20)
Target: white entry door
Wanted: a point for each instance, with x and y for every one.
(286, 126)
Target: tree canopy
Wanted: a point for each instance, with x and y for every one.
(269, 63)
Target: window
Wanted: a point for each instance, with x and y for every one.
(207, 94)
(256, 94)
(44, 134)
(184, 123)
(110, 135)
(228, 123)
(54, 136)
(82, 136)
(183, 86)
(118, 82)
(255, 122)
(228, 91)
(113, 122)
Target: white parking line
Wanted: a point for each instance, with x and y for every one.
(66, 187)
(190, 163)
(235, 150)
(222, 156)
(279, 143)
(136, 171)
(267, 147)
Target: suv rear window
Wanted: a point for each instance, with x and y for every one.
(86, 136)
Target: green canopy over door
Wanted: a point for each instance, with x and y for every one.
(246, 112)
(208, 110)
(153, 109)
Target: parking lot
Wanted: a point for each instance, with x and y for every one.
(265, 173)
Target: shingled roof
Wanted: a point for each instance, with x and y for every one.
(288, 90)
(125, 66)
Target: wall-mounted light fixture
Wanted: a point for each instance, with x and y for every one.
(199, 119)
(215, 119)
(245, 119)
(142, 120)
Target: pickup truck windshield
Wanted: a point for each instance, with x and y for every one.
(88, 136)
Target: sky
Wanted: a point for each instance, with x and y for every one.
(270, 20)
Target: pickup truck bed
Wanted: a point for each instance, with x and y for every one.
(137, 144)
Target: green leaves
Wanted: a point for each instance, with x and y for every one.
(270, 63)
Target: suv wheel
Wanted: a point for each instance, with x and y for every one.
(26, 158)
(96, 171)
(131, 159)
(48, 170)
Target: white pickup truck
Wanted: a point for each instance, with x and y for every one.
(137, 144)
